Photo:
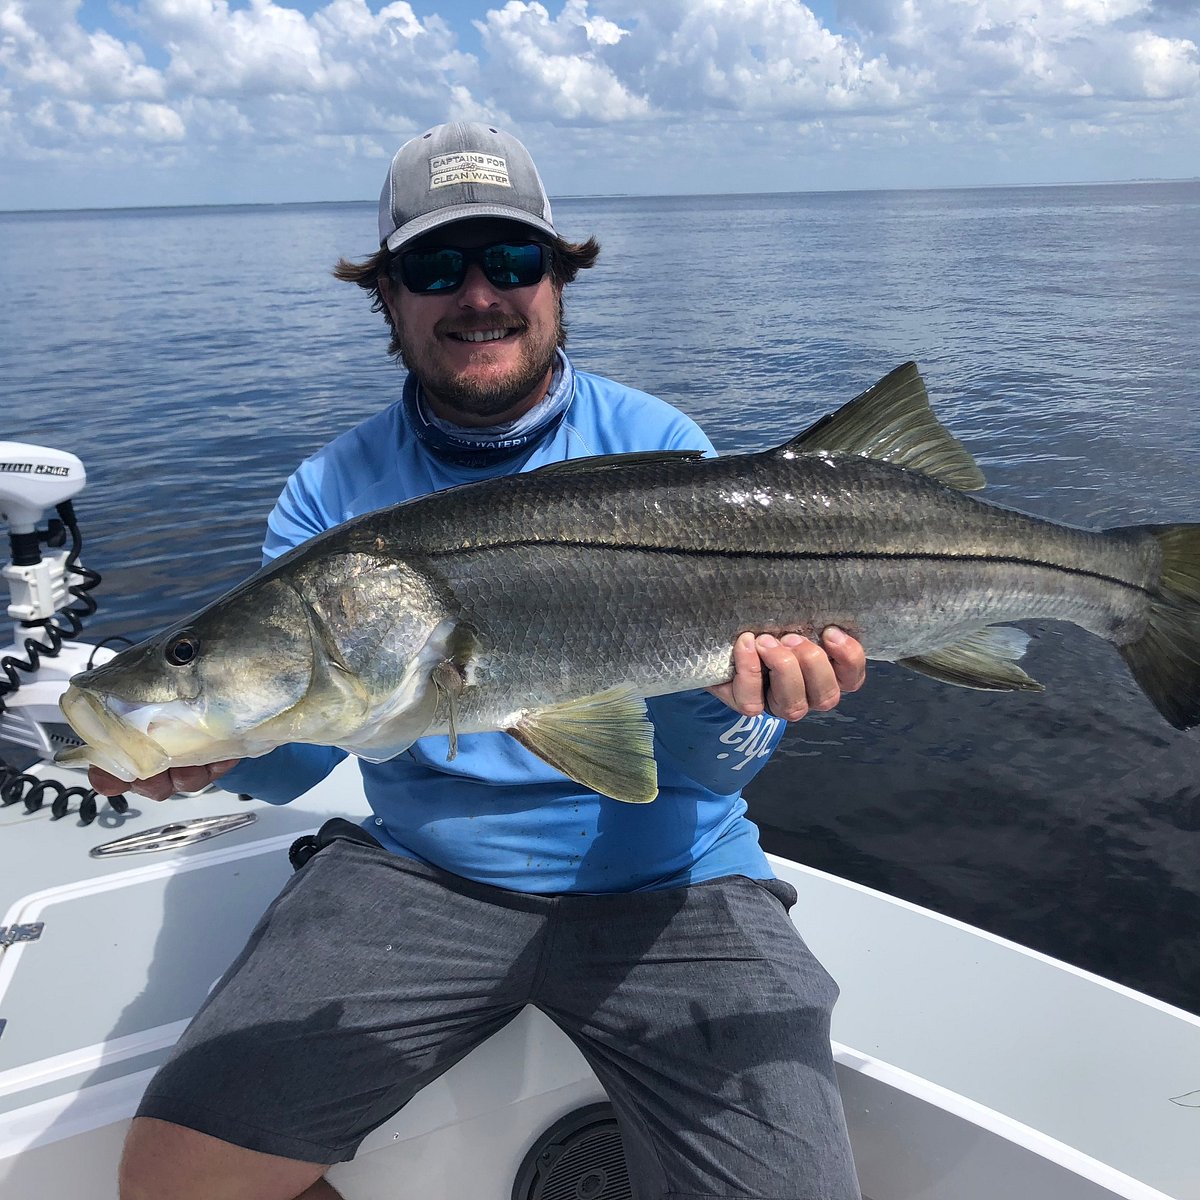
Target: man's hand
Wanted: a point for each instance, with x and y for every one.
(792, 676)
(166, 783)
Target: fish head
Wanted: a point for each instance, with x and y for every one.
(229, 682)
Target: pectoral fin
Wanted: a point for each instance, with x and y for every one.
(985, 659)
(449, 682)
(605, 742)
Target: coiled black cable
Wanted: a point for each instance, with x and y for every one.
(73, 615)
(17, 787)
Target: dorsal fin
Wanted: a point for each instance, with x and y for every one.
(600, 461)
(892, 421)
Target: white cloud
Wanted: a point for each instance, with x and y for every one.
(43, 50)
(761, 58)
(555, 67)
(218, 51)
(233, 75)
(1162, 68)
(1042, 52)
(211, 81)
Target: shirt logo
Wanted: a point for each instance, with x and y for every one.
(750, 737)
(466, 166)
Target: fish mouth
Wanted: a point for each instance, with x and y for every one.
(112, 744)
(133, 741)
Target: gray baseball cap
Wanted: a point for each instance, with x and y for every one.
(458, 171)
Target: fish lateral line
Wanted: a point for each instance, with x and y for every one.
(792, 556)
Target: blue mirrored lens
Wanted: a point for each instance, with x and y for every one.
(443, 268)
(433, 270)
(512, 264)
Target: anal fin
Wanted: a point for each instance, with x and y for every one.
(605, 742)
(985, 660)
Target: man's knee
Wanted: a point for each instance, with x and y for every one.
(163, 1161)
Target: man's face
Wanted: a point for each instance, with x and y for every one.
(477, 382)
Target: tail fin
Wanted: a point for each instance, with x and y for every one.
(1165, 660)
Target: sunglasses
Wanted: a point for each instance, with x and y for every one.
(443, 268)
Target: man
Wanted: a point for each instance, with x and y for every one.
(654, 935)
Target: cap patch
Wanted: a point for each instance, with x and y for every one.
(466, 166)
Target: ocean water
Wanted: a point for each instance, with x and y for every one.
(191, 357)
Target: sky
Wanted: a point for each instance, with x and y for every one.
(112, 103)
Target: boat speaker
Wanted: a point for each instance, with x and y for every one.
(580, 1157)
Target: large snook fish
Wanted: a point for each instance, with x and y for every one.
(548, 604)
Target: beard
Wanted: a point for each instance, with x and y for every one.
(491, 397)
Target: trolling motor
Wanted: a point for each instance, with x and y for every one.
(32, 480)
(49, 601)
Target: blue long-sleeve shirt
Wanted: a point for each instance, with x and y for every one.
(497, 813)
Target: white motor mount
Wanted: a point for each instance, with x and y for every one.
(39, 590)
(33, 480)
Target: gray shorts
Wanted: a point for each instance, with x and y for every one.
(700, 1009)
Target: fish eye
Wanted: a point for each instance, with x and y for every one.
(182, 650)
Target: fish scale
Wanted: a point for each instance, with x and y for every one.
(550, 604)
(675, 629)
(779, 502)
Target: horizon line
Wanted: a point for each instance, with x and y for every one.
(566, 197)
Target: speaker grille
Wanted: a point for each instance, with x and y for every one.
(580, 1157)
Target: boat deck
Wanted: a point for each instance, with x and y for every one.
(971, 1068)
